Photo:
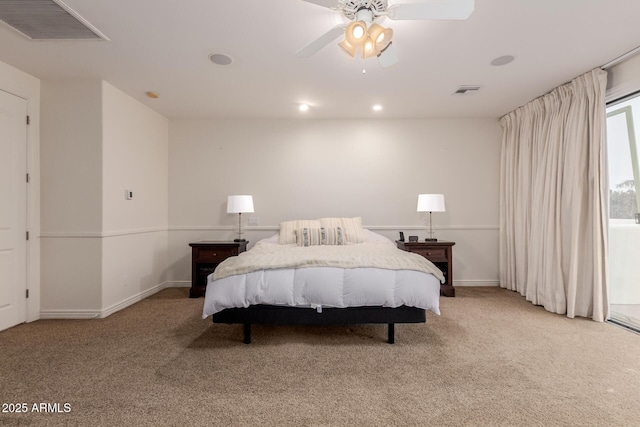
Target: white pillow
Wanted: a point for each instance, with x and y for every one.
(288, 229)
(319, 236)
(351, 228)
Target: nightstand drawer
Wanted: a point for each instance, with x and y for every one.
(218, 254)
(432, 254)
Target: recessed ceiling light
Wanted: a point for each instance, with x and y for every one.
(303, 107)
(152, 95)
(502, 60)
(377, 107)
(220, 59)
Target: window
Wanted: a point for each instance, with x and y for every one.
(624, 193)
(624, 172)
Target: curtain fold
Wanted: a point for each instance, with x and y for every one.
(553, 210)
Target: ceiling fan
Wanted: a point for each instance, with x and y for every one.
(366, 38)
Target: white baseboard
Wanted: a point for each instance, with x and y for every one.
(101, 314)
(475, 282)
(179, 284)
(132, 300)
(69, 314)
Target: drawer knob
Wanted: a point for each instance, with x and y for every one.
(428, 253)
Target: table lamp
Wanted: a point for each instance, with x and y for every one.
(239, 204)
(430, 203)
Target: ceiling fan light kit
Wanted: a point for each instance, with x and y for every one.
(366, 38)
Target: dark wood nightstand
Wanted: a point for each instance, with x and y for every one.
(205, 257)
(441, 254)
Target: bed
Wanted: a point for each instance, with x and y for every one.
(329, 271)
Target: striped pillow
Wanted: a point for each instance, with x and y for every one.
(351, 228)
(288, 229)
(319, 236)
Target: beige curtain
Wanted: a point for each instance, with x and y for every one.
(553, 212)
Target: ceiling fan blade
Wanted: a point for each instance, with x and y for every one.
(388, 57)
(331, 4)
(321, 42)
(450, 9)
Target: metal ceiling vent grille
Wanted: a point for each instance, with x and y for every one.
(47, 20)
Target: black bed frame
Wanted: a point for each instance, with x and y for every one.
(280, 315)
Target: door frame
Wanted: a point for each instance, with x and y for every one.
(27, 87)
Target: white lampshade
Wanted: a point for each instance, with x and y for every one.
(431, 203)
(239, 204)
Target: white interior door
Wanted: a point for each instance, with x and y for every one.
(13, 210)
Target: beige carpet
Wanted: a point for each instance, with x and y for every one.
(490, 359)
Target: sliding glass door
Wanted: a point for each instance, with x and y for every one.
(623, 124)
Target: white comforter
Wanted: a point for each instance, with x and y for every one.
(364, 274)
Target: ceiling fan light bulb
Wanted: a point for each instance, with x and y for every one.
(387, 35)
(376, 31)
(381, 35)
(356, 33)
(369, 49)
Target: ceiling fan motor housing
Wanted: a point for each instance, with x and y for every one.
(350, 8)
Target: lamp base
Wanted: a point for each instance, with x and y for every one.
(239, 240)
(430, 239)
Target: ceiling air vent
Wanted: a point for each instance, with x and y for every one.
(47, 20)
(466, 90)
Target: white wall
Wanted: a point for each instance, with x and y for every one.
(310, 168)
(101, 252)
(71, 198)
(26, 86)
(72, 157)
(135, 150)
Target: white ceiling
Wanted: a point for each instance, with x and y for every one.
(163, 46)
